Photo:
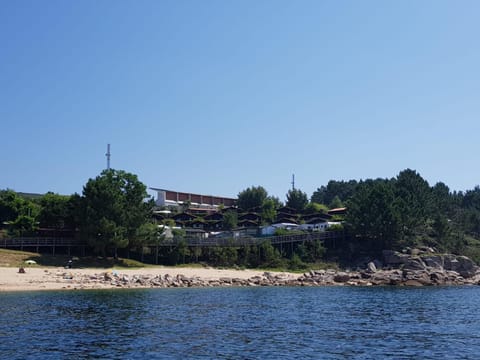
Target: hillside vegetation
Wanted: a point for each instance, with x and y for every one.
(115, 213)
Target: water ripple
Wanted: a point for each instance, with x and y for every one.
(243, 323)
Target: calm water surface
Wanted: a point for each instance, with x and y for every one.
(243, 323)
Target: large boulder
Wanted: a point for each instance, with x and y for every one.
(420, 276)
(461, 264)
(341, 277)
(438, 277)
(413, 263)
(394, 258)
(386, 277)
(434, 261)
(371, 267)
(427, 260)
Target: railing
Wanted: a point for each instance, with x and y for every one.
(37, 242)
(189, 241)
(250, 240)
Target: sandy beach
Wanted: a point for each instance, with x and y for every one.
(50, 278)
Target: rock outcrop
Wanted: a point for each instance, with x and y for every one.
(425, 267)
(416, 268)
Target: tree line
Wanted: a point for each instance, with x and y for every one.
(111, 213)
(406, 211)
(114, 212)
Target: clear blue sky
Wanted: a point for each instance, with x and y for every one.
(216, 96)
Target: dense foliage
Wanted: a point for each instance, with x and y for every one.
(108, 215)
(334, 190)
(256, 199)
(114, 208)
(18, 213)
(252, 197)
(114, 212)
(406, 211)
(296, 199)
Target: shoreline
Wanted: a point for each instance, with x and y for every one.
(59, 278)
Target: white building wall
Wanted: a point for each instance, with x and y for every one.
(161, 198)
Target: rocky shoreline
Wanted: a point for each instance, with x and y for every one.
(411, 267)
(417, 267)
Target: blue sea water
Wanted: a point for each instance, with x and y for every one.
(243, 323)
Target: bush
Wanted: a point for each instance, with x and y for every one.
(296, 263)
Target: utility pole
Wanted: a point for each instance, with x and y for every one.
(108, 156)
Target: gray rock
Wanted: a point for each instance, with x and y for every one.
(437, 277)
(107, 276)
(365, 274)
(371, 267)
(394, 258)
(433, 261)
(413, 263)
(450, 262)
(467, 267)
(415, 252)
(460, 264)
(341, 277)
(412, 283)
(426, 249)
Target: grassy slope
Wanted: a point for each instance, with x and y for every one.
(16, 258)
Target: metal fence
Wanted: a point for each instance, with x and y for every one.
(39, 241)
(251, 240)
(26, 242)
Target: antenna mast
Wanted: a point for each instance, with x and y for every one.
(293, 181)
(108, 156)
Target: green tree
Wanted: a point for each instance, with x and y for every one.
(55, 211)
(182, 251)
(230, 220)
(343, 189)
(414, 202)
(10, 204)
(441, 228)
(148, 234)
(471, 199)
(75, 211)
(251, 197)
(18, 213)
(296, 199)
(443, 201)
(372, 214)
(310, 251)
(268, 255)
(336, 203)
(114, 208)
(23, 225)
(269, 210)
(224, 255)
(313, 207)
